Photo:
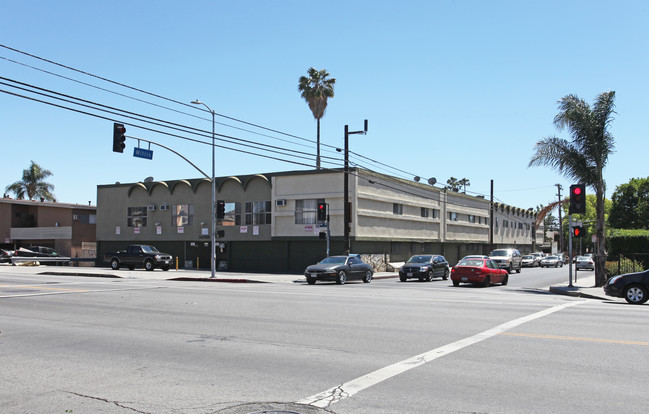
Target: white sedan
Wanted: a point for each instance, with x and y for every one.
(584, 262)
(552, 261)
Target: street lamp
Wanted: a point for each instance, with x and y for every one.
(346, 209)
(213, 232)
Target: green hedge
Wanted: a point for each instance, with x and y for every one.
(622, 241)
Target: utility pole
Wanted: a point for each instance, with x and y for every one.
(559, 188)
(346, 208)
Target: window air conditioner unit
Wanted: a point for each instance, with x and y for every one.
(280, 203)
(151, 207)
(164, 207)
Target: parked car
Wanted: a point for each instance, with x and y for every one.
(424, 267)
(45, 255)
(6, 255)
(482, 272)
(339, 269)
(139, 255)
(583, 263)
(551, 261)
(510, 259)
(530, 260)
(633, 287)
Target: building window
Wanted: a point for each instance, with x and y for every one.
(258, 212)
(182, 215)
(85, 218)
(306, 211)
(435, 213)
(136, 217)
(397, 208)
(471, 218)
(452, 216)
(505, 223)
(425, 212)
(231, 215)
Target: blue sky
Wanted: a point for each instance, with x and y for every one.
(450, 88)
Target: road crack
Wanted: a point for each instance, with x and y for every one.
(117, 403)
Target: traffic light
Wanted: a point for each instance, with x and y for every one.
(119, 140)
(220, 209)
(577, 199)
(578, 232)
(322, 211)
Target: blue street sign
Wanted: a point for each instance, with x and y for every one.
(143, 153)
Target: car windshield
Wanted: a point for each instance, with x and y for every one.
(499, 253)
(334, 260)
(551, 258)
(472, 262)
(528, 257)
(149, 249)
(420, 259)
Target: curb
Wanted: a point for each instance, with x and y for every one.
(575, 293)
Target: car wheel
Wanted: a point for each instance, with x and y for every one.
(148, 265)
(342, 278)
(165, 268)
(445, 277)
(456, 283)
(487, 281)
(429, 276)
(505, 280)
(131, 267)
(114, 264)
(519, 269)
(510, 268)
(310, 280)
(368, 276)
(636, 294)
(402, 278)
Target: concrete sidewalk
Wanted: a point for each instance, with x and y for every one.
(583, 287)
(172, 274)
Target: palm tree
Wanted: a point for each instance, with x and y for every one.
(465, 182)
(584, 157)
(316, 89)
(33, 185)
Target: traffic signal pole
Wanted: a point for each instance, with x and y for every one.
(570, 250)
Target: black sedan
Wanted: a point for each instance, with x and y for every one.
(424, 267)
(339, 269)
(634, 287)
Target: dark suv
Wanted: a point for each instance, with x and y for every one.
(424, 267)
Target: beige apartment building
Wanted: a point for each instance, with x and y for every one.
(271, 225)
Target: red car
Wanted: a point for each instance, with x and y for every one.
(482, 272)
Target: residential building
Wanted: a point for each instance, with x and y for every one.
(69, 229)
(271, 223)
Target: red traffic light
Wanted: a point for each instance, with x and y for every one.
(576, 191)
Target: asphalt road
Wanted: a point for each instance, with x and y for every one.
(80, 345)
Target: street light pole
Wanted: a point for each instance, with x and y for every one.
(346, 209)
(213, 232)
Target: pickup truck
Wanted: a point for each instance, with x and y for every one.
(139, 255)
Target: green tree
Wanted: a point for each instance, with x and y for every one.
(465, 183)
(316, 88)
(32, 184)
(584, 157)
(454, 184)
(630, 208)
(588, 220)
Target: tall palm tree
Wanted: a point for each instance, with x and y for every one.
(584, 157)
(32, 184)
(316, 89)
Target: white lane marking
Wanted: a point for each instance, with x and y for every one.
(348, 389)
